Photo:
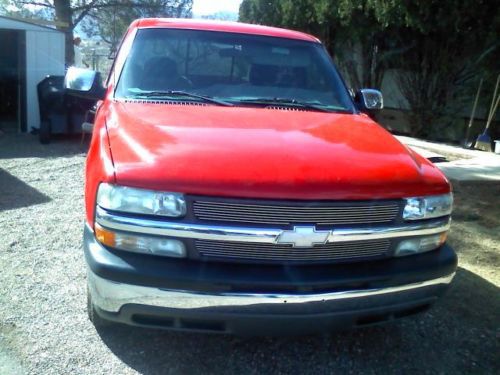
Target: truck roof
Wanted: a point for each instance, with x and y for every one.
(224, 26)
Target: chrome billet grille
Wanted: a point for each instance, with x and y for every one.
(357, 213)
(331, 252)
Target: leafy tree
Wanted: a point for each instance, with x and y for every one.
(438, 47)
(348, 28)
(106, 18)
(109, 23)
(451, 43)
(262, 11)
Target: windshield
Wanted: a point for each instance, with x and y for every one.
(233, 69)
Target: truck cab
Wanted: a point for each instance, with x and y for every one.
(233, 185)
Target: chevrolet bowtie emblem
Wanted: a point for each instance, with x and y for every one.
(303, 237)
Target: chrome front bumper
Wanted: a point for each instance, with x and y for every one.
(111, 296)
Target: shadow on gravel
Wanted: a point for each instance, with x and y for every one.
(14, 146)
(454, 336)
(15, 193)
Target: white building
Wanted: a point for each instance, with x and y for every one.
(28, 53)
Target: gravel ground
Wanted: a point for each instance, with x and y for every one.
(44, 327)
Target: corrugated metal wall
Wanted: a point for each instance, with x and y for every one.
(44, 56)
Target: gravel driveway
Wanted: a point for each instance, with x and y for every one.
(44, 327)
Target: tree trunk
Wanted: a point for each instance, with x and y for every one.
(64, 15)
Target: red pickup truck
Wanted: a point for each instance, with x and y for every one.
(233, 184)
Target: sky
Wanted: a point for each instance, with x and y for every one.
(206, 7)
(200, 8)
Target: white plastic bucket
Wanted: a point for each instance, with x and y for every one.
(497, 147)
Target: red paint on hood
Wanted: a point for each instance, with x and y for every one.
(263, 153)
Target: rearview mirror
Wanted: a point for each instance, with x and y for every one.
(370, 99)
(84, 83)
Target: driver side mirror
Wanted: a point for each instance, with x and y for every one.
(369, 99)
(84, 83)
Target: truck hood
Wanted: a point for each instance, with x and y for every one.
(263, 153)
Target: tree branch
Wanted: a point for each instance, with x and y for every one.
(36, 4)
(93, 5)
(80, 17)
(84, 11)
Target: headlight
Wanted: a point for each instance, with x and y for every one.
(428, 207)
(140, 201)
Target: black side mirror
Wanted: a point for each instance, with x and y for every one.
(84, 83)
(369, 100)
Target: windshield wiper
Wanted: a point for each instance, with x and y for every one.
(291, 103)
(176, 93)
